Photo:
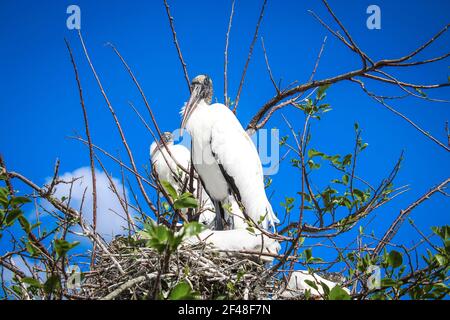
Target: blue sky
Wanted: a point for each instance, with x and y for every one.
(40, 106)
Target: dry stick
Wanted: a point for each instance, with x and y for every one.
(268, 66)
(55, 177)
(255, 36)
(158, 146)
(408, 92)
(12, 268)
(405, 84)
(362, 212)
(225, 65)
(119, 127)
(425, 45)
(144, 98)
(355, 48)
(447, 131)
(390, 233)
(294, 244)
(319, 56)
(299, 89)
(416, 63)
(130, 72)
(334, 33)
(91, 149)
(302, 148)
(372, 95)
(138, 86)
(95, 237)
(126, 209)
(175, 41)
(122, 202)
(253, 124)
(345, 76)
(31, 235)
(128, 285)
(123, 165)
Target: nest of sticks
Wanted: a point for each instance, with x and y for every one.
(147, 274)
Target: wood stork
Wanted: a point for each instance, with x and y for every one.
(238, 240)
(225, 157)
(167, 169)
(300, 281)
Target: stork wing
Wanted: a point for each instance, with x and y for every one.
(166, 168)
(238, 158)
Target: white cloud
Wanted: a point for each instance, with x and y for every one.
(111, 218)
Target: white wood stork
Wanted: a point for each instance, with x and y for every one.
(167, 169)
(225, 157)
(298, 284)
(238, 240)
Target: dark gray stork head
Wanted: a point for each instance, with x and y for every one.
(166, 137)
(201, 89)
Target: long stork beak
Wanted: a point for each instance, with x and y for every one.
(194, 99)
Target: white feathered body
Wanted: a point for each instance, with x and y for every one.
(218, 138)
(167, 169)
(300, 281)
(237, 240)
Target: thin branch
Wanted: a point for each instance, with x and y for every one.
(91, 149)
(119, 127)
(225, 65)
(318, 59)
(255, 36)
(390, 233)
(425, 133)
(268, 67)
(175, 41)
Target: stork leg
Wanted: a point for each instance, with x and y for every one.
(219, 214)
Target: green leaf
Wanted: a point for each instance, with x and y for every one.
(32, 282)
(12, 216)
(308, 254)
(363, 146)
(192, 229)
(337, 293)
(326, 289)
(321, 91)
(19, 200)
(170, 190)
(52, 284)
(62, 246)
(359, 194)
(395, 259)
(32, 250)
(182, 291)
(4, 196)
(312, 284)
(345, 179)
(388, 282)
(314, 153)
(419, 91)
(313, 165)
(25, 224)
(186, 200)
(442, 261)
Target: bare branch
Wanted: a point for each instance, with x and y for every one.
(225, 65)
(255, 36)
(175, 41)
(119, 127)
(390, 233)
